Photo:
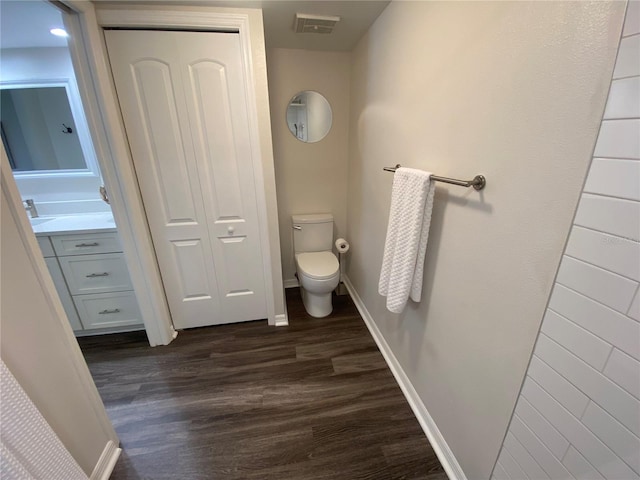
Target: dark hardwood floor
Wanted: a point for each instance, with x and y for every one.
(314, 400)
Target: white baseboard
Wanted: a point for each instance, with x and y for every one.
(282, 320)
(106, 462)
(291, 283)
(437, 441)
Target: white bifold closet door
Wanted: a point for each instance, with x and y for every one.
(184, 105)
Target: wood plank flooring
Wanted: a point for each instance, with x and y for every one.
(311, 401)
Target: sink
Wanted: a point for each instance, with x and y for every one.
(39, 221)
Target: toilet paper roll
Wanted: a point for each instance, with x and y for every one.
(342, 245)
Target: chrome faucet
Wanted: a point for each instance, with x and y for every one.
(31, 208)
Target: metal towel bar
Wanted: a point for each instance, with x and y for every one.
(478, 181)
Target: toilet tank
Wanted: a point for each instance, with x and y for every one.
(312, 232)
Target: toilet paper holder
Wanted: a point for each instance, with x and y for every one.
(342, 246)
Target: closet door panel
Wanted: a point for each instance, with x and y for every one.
(146, 70)
(212, 110)
(184, 106)
(216, 102)
(165, 156)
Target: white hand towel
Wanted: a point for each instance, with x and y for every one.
(407, 235)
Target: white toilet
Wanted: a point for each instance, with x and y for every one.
(316, 265)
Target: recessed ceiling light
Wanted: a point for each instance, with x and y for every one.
(59, 32)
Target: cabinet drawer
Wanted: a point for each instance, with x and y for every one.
(63, 293)
(84, 244)
(106, 310)
(96, 273)
(46, 247)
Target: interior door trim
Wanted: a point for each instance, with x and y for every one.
(88, 54)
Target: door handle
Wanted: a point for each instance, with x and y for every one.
(104, 194)
(94, 244)
(297, 227)
(104, 312)
(92, 275)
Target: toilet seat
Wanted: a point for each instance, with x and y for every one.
(317, 265)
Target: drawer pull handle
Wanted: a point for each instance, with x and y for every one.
(105, 312)
(94, 244)
(103, 274)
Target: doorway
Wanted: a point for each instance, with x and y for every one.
(105, 124)
(110, 168)
(247, 24)
(54, 163)
(183, 100)
(103, 118)
(85, 26)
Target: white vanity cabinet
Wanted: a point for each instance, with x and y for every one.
(90, 273)
(59, 282)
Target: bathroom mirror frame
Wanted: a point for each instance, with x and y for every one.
(327, 116)
(81, 126)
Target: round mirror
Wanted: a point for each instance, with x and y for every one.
(309, 116)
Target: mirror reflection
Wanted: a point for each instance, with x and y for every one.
(38, 130)
(309, 116)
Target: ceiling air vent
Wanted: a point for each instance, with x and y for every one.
(306, 23)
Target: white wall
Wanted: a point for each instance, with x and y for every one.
(310, 177)
(61, 195)
(578, 414)
(38, 346)
(512, 90)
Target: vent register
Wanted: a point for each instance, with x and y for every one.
(306, 23)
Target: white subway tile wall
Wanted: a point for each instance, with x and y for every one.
(628, 64)
(617, 254)
(500, 473)
(588, 279)
(542, 428)
(619, 138)
(614, 178)
(579, 466)
(578, 415)
(543, 456)
(612, 215)
(634, 310)
(632, 22)
(624, 98)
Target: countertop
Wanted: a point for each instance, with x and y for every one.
(69, 224)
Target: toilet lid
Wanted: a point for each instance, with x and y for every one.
(318, 265)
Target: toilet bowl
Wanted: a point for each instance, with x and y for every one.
(319, 275)
(317, 267)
